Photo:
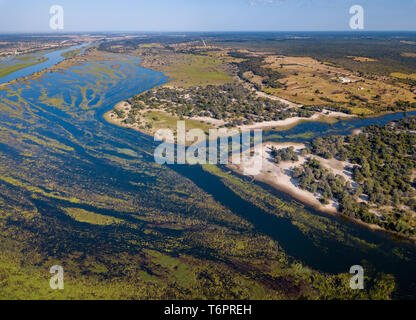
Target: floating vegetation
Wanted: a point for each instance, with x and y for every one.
(79, 192)
(90, 217)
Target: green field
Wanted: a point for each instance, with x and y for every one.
(4, 71)
(70, 54)
(163, 120)
(193, 70)
(90, 217)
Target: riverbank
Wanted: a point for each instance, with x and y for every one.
(5, 71)
(147, 120)
(48, 62)
(279, 176)
(279, 125)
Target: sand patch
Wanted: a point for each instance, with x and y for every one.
(280, 175)
(361, 59)
(409, 54)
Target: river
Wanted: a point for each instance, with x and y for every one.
(76, 119)
(53, 58)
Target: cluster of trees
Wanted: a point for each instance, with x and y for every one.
(118, 45)
(256, 66)
(355, 100)
(385, 161)
(232, 103)
(285, 154)
(402, 105)
(119, 113)
(317, 179)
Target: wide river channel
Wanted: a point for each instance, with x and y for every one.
(85, 92)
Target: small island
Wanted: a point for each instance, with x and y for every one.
(218, 87)
(369, 176)
(210, 88)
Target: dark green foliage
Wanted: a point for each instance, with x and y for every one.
(386, 49)
(230, 102)
(315, 178)
(285, 154)
(256, 65)
(385, 160)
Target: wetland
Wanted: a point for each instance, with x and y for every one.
(78, 191)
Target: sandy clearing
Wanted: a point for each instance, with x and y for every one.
(111, 117)
(294, 120)
(277, 123)
(276, 98)
(215, 122)
(279, 175)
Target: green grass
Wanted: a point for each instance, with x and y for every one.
(8, 70)
(128, 152)
(152, 45)
(70, 54)
(361, 111)
(177, 270)
(81, 215)
(26, 58)
(161, 120)
(305, 135)
(195, 70)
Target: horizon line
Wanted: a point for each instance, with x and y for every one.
(54, 32)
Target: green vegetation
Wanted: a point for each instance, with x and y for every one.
(90, 217)
(386, 50)
(232, 103)
(71, 54)
(315, 178)
(384, 161)
(154, 120)
(88, 196)
(6, 70)
(338, 78)
(256, 66)
(122, 226)
(284, 154)
(330, 286)
(193, 70)
(185, 65)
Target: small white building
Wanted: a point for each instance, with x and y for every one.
(345, 80)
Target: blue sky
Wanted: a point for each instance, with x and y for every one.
(206, 15)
